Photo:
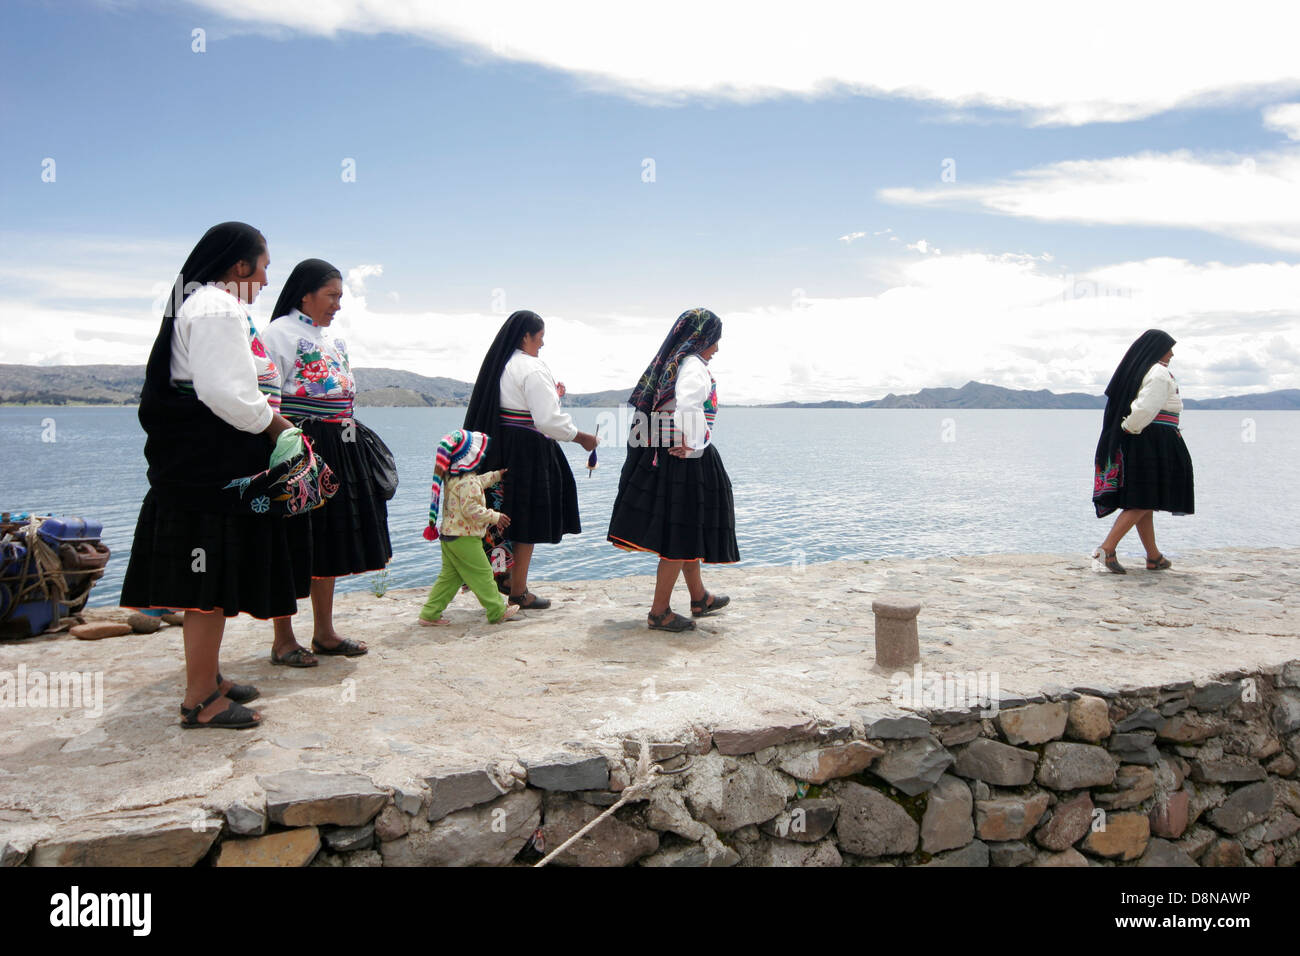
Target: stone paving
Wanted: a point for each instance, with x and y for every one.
(586, 673)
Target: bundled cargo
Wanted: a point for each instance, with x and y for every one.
(47, 567)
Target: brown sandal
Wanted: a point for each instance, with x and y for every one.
(1112, 563)
(1159, 564)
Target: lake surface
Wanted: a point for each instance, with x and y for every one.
(810, 484)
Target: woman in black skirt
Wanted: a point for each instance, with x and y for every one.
(349, 535)
(211, 537)
(1141, 465)
(674, 496)
(516, 401)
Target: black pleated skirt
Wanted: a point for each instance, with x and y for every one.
(1157, 471)
(196, 560)
(538, 493)
(1154, 471)
(677, 508)
(349, 533)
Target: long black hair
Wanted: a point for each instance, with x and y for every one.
(306, 277)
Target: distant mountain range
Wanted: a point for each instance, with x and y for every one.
(387, 387)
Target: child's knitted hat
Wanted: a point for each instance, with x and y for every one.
(458, 452)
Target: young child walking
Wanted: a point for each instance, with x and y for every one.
(465, 519)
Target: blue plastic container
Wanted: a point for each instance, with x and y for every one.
(60, 530)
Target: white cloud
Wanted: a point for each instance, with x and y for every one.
(1017, 320)
(1284, 117)
(851, 237)
(1255, 199)
(1108, 61)
(923, 247)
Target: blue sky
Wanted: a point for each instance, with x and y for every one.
(499, 165)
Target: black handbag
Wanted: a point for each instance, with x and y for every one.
(383, 467)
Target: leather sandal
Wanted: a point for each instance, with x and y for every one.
(668, 621)
(238, 693)
(295, 658)
(234, 717)
(1159, 564)
(530, 601)
(1112, 563)
(710, 603)
(345, 648)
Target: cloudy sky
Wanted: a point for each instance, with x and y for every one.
(874, 201)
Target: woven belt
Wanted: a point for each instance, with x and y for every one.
(1167, 418)
(518, 418)
(326, 409)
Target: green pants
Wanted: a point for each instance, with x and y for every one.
(464, 562)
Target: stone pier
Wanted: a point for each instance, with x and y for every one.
(1164, 704)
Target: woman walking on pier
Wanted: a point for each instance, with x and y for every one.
(212, 536)
(1141, 465)
(674, 495)
(516, 402)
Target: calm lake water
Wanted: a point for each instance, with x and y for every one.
(810, 485)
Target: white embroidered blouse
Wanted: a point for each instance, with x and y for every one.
(316, 374)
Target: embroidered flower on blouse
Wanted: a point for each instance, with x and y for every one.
(261, 504)
(258, 348)
(316, 370)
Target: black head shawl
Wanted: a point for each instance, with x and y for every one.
(191, 452)
(485, 401)
(306, 277)
(220, 248)
(693, 332)
(1149, 349)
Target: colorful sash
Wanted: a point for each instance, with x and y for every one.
(1167, 418)
(326, 409)
(518, 418)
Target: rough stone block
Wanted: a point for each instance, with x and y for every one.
(913, 767)
(1008, 818)
(804, 821)
(947, 823)
(1163, 853)
(611, 843)
(1069, 823)
(894, 726)
(155, 838)
(569, 772)
(1125, 837)
(974, 854)
(829, 763)
(490, 834)
(747, 740)
(727, 794)
(1245, 806)
(1033, 724)
(300, 798)
(458, 790)
(1169, 815)
(295, 847)
(1014, 853)
(871, 824)
(1068, 766)
(996, 763)
(348, 839)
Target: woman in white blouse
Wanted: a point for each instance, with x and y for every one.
(210, 410)
(674, 495)
(1141, 465)
(516, 401)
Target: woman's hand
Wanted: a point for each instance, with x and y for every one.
(560, 389)
(504, 522)
(681, 451)
(587, 441)
(278, 424)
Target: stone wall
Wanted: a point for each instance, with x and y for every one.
(1180, 775)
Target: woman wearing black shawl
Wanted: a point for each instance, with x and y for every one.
(1141, 465)
(516, 401)
(208, 407)
(674, 495)
(349, 535)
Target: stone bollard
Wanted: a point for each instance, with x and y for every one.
(897, 643)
